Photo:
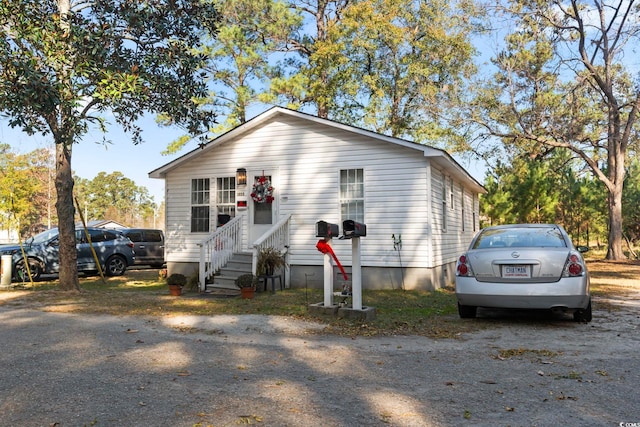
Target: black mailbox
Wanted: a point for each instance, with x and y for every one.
(351, 228)
(326, 229)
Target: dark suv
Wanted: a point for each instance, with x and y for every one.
(114, 252)
(148, 245)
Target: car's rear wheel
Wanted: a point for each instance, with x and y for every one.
(583, 315)
(35, 268)
(116, 265)
(467, 311)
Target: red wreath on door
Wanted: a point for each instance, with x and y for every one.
(262, 190)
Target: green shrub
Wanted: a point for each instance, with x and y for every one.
(246, 281)
(177, 279)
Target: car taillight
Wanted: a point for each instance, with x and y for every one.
(574, 266)
(131, 245)
(463, 268)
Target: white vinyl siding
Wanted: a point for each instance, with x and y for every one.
(307, 159)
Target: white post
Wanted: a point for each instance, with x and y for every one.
(356, 274)
(201, 269)
(328, 278)
(6, 261)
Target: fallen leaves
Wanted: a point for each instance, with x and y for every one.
(506, 354)
(249, 419)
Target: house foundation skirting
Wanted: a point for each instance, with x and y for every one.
(187, 268)
(427, 279)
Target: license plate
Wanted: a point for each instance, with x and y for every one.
(516, 271)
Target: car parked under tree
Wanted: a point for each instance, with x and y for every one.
(113, 250)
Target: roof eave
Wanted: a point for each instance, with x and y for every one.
(439, 156)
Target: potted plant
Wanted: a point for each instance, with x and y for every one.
(176, 281)
(247, 284)
(269, 260)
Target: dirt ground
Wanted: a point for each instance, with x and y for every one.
(522, 369)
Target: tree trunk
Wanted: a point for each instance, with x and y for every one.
(614, 251)
(66, 218)
(617, 154)
(62, 125)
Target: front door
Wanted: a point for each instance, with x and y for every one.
(262, 201)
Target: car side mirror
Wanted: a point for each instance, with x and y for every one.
(582, 249)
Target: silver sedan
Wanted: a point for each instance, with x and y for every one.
(523, 266)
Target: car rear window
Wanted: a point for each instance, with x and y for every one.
(135, 236)
(153, 236)
(101, 236)
(519, 238)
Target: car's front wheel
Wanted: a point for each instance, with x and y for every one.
(467, 311)
(583, 315)
(35, 269)
(116, 265)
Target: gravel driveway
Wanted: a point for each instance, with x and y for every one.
(89, 370)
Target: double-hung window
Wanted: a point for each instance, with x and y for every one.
(462, 213)
(445, 197)
(226, 196)
(200, 209)
(352, 194)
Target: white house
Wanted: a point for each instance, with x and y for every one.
(320, 170)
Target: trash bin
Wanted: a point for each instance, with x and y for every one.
(5, 271)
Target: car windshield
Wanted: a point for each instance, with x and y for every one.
(44, 237)
(520, 237)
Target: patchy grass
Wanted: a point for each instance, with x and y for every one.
(434, 314)
(613, 283)
(504, 354)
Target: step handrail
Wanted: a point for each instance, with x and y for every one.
(217, 249)
(278, 237)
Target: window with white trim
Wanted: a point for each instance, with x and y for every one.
(451, 195)
(352, 194)
(463, 212)
(226, 197)
(473, 201)
(200, 209)
(445, 197)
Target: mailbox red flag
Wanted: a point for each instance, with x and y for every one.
(325, 248)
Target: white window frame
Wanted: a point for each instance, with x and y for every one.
(351, 194)
(462, 204)
(226, 195)
(445, 211)
(200, 198)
